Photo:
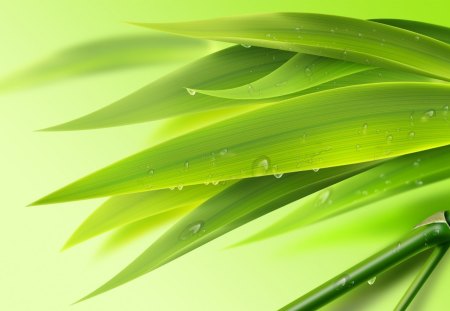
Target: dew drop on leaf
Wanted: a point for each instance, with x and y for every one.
(389, 139)
(191, 91)
(372, 280)
(247, 46)
(429, 114)
(315, 170)
(180, 187)
(364, 129)
(191, 230)
(412, 134)
(308, 72)
(324, 196)
(260, 166)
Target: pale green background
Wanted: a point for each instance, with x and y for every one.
(34, 275)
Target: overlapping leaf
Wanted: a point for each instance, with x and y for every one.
(398, 176)
(167, 97)
(106, 55)
(301, 72)
(230, 68)
(317, 130)
(349, 39)
(122, 210)
(242, 202)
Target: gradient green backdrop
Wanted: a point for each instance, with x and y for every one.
(34, 275)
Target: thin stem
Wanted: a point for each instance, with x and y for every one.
(421, 238)
(422, 277)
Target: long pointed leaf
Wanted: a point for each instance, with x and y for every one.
(235, 206)
(349, 39)
(314, 131)
(394, 177)
(122, 210)
(167, 97)
(105, 55)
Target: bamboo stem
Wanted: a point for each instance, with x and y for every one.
(432, 232)
(422, 277)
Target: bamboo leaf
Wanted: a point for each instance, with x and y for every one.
(240, 203)
(397, 176)
(105, 55)
(167, 97)
(344, 38)
(434, 31)
(299, 73)
(122, 210)
(318, 130)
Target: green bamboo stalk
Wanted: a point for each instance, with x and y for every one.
(428, 268)
(430, 233)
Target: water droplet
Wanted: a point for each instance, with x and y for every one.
(186, 165)
(372, 280)
(332, 30)
(315, 170)
(172, 188)
(360, 35)
(389, 139)
(308, 72)
(191, 91)
(445, 113)
(223, 152)
(215, 182)
(416, 163)
(260, 166)
(364, 129)
(247, 46)
(417, 38)
(418, 182)
(429, 114)
(180, 187)
(150, 172)
(358, 147)
(276, 174)
(345, 53)
(191, 230)
(412, 134)
(323, 197)
(250, 89)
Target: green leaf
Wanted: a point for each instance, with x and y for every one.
(397, 176)
(167, 97)
(299, 73)
(349, 39)
(434, 31)
(242, 202)
(314, 131)
(122, 210)
(106, 55)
